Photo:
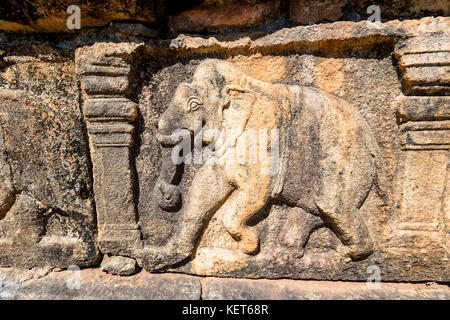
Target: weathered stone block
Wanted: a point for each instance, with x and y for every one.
(52, 221)
(118, 265)
(39, 16)
(96, 285)
(314, 11)
(275, 151)
(210, 18)
(48, 217)
(241, 289)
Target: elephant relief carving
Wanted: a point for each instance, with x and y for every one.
(321, 157)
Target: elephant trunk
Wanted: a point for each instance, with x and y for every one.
(166, 190)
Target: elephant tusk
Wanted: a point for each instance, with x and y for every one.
(167, 140)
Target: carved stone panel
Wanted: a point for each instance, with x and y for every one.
(308, 164)
(309, 152)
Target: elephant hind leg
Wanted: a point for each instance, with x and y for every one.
(343, 218)
(299, 226)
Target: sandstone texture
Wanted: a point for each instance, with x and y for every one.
(45, 165)
(315, 11)
(95, 285)
(261, 145)
(36, 16)
(40, 16)
(121, 266)
(39, 284)
(234, 15)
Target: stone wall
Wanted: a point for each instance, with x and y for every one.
(357, 93)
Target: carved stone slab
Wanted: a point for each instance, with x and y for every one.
(349, 190)
(314, 152)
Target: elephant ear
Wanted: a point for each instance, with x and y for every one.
(234, 113)
(236, 107)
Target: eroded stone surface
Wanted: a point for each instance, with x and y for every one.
(362, 182)
(17, 284)
(233, 289)
(239, 15)
(206, 15)
(38, 16)
(94, 284)
(118, 265)
(45, 164)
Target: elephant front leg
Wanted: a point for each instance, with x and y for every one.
(209, 190)
(242, 206)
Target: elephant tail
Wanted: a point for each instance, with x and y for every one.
(380, 181)
(381, 184)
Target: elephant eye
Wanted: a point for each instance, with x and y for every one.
(194, 104)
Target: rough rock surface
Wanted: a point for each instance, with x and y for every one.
(315, 11)
(46, 163)
(93, 284)
(205, 15)
(39, 16)
(207, 18)
(17, 284)
(333, 162)
(117, 265)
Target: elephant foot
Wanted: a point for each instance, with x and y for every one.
(249, 242)
(361, 250)
(156, 258)
(287, 255)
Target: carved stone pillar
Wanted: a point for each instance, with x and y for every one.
(109, 113)
(423, 180)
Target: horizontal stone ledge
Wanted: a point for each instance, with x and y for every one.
(427, 139)
(95, 284)
(110, 128)
(416, 108)
(330, 36)
(321, 37)
(422, 59)
(425, 125)
(242, 289)
(426, 89)
(436, 42)
(107, 108)
(101, 85)
(426, 135)
(98, 70)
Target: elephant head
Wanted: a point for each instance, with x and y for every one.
(218, 97)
